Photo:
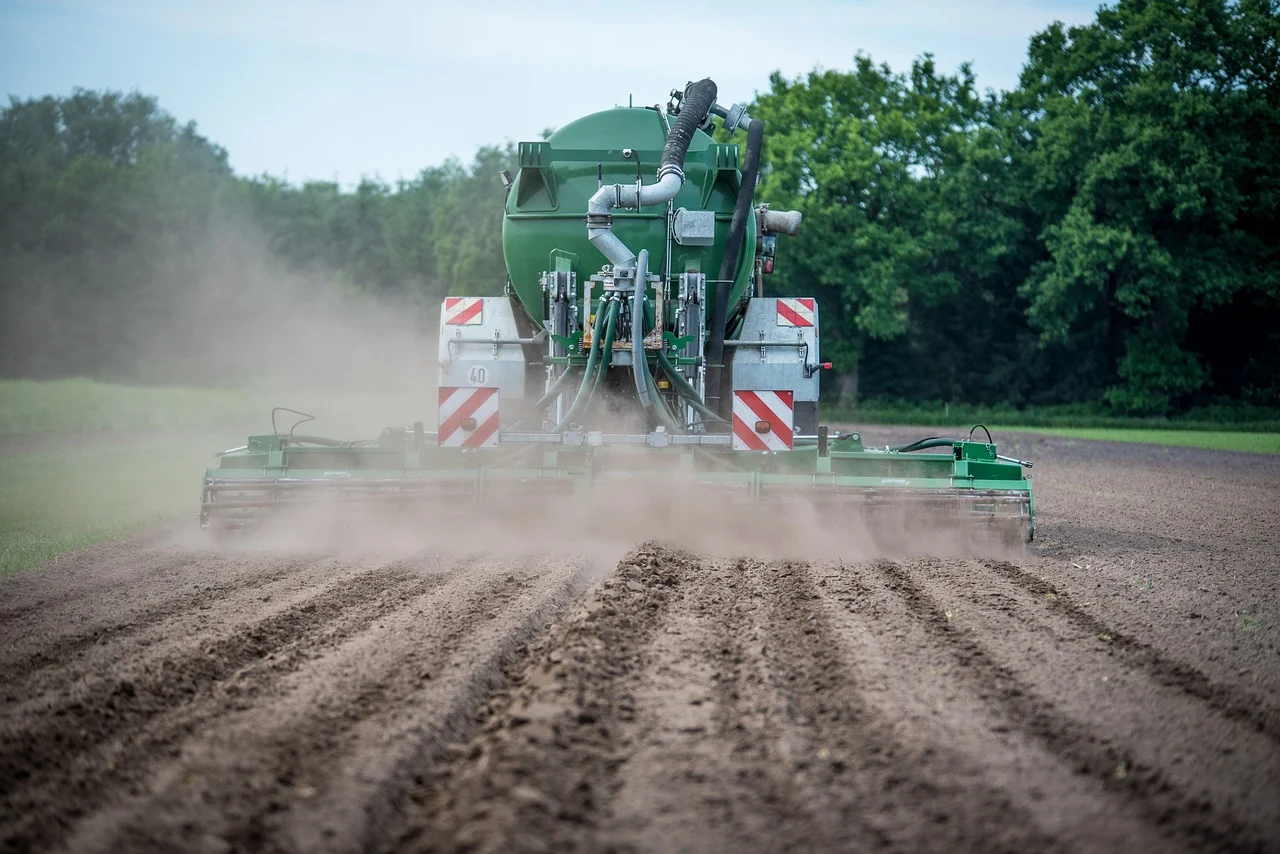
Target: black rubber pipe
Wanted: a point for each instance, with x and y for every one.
(694, 106)
(728, 265)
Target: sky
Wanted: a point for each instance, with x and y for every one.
(335, 90)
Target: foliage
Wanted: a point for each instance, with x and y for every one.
(1104, 232)
(418, 239)
(129, 250)
(1150, 162)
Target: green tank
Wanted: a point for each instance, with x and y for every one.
(547, 203)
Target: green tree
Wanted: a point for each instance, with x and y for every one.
(901, 181)
(1150, 158)
(99, 190)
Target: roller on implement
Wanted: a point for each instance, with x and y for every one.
(633, 349)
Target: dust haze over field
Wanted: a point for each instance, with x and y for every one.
(214, 306)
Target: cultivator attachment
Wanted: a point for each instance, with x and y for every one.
(410, 472)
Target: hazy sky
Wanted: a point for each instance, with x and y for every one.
(331, 89)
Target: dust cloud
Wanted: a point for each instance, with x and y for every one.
(221, 309)
(303, 336)
(619, 514)
(215, 307)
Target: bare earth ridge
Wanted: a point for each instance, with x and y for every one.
(1114, 688)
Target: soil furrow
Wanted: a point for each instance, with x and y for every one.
(778, 692)
(913, 796)
(541, 773)
(147, 558)
(144, 714)
(332, 685)
(1232, 701)
(133, 655)
(702, 736)
(303, 763)
(451, 715)
(316, 765)
(1181, 815)
(54, 653)
(82, 718)
(914, 682)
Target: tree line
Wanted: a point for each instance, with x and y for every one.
(1104, 233)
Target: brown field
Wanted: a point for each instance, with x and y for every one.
(1114, 688)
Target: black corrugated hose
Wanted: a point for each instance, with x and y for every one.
(696, 102)
(732, 249)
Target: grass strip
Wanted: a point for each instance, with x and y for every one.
(1211, 419)
(1216, 440)
(53, 502)
(90, 406)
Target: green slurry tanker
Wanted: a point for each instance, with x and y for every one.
(633, 350)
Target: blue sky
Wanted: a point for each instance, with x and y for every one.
(329, 90)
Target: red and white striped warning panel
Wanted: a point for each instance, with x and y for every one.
(466, 311)
(468, 417)
(762, 420)
(795, 311)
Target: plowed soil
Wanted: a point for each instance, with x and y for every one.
(1115, 687)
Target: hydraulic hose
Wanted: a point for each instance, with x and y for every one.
(687, 391)
(588, 373)
(606, 348)
(925, 444)
(659, 407)
(637, 327)
(557, 386)
(728, 264)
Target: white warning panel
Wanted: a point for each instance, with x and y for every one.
(466, 311)
(763, 420)
(468, 417)
(796, 311)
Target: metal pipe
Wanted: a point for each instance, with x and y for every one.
(697, 102)
(536, 339)
(574, 438)
(637, 328)
(781, 222)
(734, 117)
(742, 342)
(1025, 463)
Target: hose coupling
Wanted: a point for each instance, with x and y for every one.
(671, 169)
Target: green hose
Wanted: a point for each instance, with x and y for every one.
(686, 390)
(552, 393)
(588, 373)
(606, 348)
(660, 406)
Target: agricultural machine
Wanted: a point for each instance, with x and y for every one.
(633, 349)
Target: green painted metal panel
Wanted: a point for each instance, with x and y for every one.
(547, 206)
